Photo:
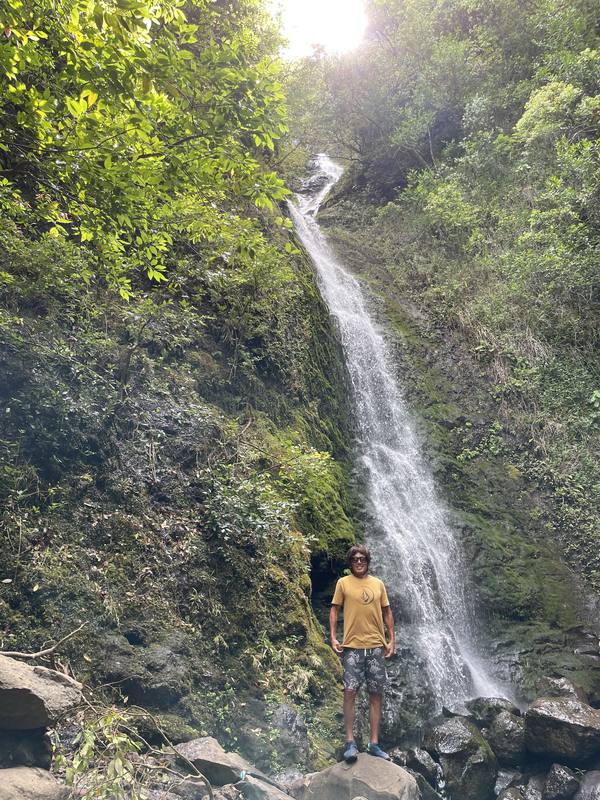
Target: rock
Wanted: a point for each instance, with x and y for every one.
(426, 790)
(255, 789)
(485, 709)
(421, 762)
(207, 755)
(561, 784)
(506, 779)
(467, 760)
(292, 745)
(535, 787)
(156, 674)
(367, 777)
(25, 749)
(506, 737)
(30, 783)
(563, 728)
(559, 687)
(33, 697)
(589, 788)
(192, 788)
(514, 793)
(398, 756)
(288, 777)
(228, 792)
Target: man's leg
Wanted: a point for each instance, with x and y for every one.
(374, 715)
(353, 669)
(376, 678)
(349, 704)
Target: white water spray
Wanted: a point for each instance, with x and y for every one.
(415, 551)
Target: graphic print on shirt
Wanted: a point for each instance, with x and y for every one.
(367, 596)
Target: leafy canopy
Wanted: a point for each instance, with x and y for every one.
(128, 123)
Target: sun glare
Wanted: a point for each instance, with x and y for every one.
(335, 25)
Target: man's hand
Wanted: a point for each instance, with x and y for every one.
(390, 650)
(337, 647)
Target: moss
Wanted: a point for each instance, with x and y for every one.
(481, 465)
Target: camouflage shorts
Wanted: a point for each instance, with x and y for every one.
(364, 663)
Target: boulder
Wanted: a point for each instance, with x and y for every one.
(561, 784)
(228, 792)
(192, 788)
(292, 745)
(255, 789)
(30, 783)
(207, 755)
(506, 737)
(34, 697)
(485, 709)
(421, 762)
(514, 793)
(559, 687)
(467, 760)
(368, 777)
(589, 788)
(426, 790)
(563, 728)
(155, 673)
(507, 779)
(25, 749)
(535, 787)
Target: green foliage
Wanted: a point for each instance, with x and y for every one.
(102, 766)
(129, 125)
(472, 134)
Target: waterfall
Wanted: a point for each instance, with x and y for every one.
(414, 549)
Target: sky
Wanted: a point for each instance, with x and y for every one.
(337, 25)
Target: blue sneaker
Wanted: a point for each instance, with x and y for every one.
(375, 750)
(351, 752)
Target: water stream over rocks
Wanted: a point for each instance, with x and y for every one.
(415, 550)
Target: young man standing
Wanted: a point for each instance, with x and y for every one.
(366, 607)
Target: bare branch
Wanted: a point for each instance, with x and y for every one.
(47, 651)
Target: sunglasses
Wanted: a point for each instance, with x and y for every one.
(356, 559)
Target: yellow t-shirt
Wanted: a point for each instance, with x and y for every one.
(362, 600)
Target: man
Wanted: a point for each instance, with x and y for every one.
(366, 607)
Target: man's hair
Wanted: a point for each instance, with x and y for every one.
(356, 550)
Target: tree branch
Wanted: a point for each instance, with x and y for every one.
(47, 651)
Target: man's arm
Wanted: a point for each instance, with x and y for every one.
(333, 620)
(388, 618)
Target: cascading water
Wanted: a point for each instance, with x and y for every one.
(415, 550)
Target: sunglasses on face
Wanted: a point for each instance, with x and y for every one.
(356, 559)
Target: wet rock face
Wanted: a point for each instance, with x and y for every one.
(535, 787)
(507, 779)
(157, 674)
(589, 788)
(467, 760)
(564, 729)
(420, 761)
(33, 697)
(559, 687)
(561, 784)
(506, 737)
(293, 745)
(511, 794)
(484, 710)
